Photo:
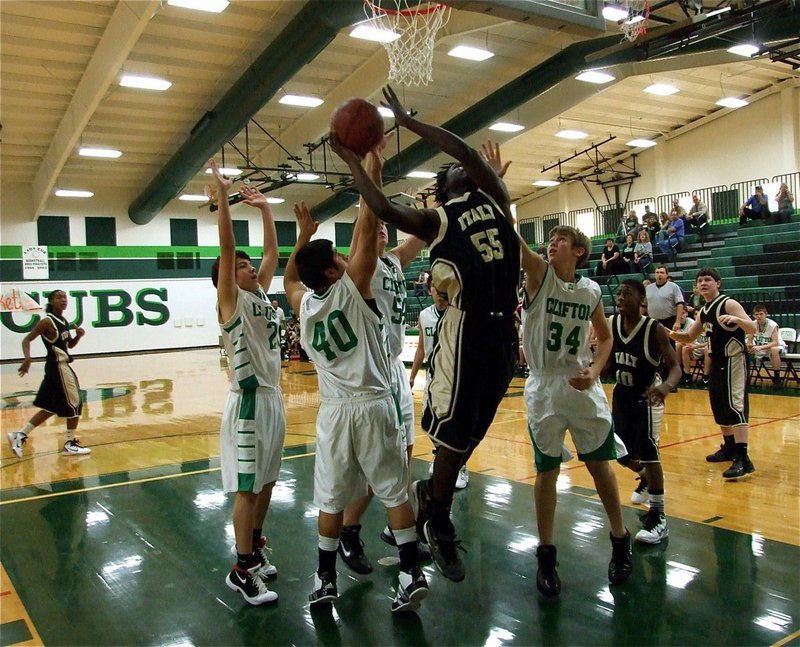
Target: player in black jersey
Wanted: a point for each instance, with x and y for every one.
(475, 261)
(726, 324)
(640, 343)
(59, 393)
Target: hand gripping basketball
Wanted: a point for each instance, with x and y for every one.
(357, 125)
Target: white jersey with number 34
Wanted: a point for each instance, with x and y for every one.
(555, 333)
(344, 338)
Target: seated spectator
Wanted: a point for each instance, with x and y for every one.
(697, 218)
(785, 201)
(421, 284)
(767, 342)
(647, 215)
(755, 208)
(610, 263)
(542, 250)
(694, 303)
(677, 209)
(631, 224)
(664, 224)
(693, 352)
(628, 253)
(642, 253)
(675, 235)
(652, 227)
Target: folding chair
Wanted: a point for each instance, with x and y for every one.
(792, 360)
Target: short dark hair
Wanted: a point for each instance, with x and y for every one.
(49, 307)
(760, 307)
(636, 286)
(708, 271)
(312, 259)
(578, 238)
(440, 187)
(662, 267)
(215, 266)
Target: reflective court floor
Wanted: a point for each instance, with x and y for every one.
(131, 544)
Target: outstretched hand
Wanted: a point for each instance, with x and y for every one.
(223, 184)
(490, 151)
(253, 197)
(392, 102)
(308, 226)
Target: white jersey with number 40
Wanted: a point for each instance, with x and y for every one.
(344, 338)
(555, 332)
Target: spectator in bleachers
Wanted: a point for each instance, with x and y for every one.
(642, 253)
(647, 215)
(785, 201)
(675, 235)
(767, 342)
(663, 232)
(652, 227)
(610, 263)
(677, 209)
(628, 254)
(695, 302)
(697, 218)
(631, 224)
(755, 208)
(542, 250)
(421, 284)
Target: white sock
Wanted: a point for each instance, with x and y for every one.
(27, 429)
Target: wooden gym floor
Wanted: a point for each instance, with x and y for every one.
(130, 545)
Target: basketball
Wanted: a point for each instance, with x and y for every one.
(358, 125)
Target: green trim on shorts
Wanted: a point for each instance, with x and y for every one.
(396, 401)
(544, 463)
(247, 411)
(606, 452)
(246, 482)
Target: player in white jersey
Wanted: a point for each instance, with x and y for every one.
(428, 320)
(563, 392)
(698, 349)
(253, 423)
(767, 342)
(359, 441)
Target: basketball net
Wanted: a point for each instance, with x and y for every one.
(411, 54)
(636, 23)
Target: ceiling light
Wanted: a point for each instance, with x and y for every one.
(593, 76)
(144, 82)
(212, 6)
(109, 153)
(276, 200)
(716, 12)
(746, 49)
(634, 19)
(614, 13)
(641, 143)
(426, 175)
(368, 32)
(71, 193)
(193, 197)
(307, 177)
(226, 171)
(470, 53)
(546, 183)
(661, 89)
(731, 102)
(298, 100)
(505, 127)
(571, 134)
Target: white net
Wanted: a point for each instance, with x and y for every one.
(636, 23)
(415, 28)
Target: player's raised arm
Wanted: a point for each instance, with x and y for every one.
(269, 259)
(476, 168)
(227, 290)
(373, 166)
(294, 287)
(534, 267)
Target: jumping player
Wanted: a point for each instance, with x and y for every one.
(359, 440)
(726, 324)
(59, 393)
(254, 422)
(475, 261)
(640, 344)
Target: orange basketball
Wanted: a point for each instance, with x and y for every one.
(358, 125)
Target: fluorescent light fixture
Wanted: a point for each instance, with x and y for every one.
(593, 76)
(276, 200)
(226, 171)
(470, 53)
(731, 102)
(746, 49)
(506, 127)
(571, 134)
(307, 177)
(546, 183)
(298, 100)
(641, 143)
(661, 89)
(144, 82)
(634, 19)
(614, 12)
(193, 197)
(716, 12)
(425, 175)
(72, 193)
(369, 32)
(212, 6)
(109, 153)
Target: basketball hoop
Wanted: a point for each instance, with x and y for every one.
(411, 51)
(635, 24)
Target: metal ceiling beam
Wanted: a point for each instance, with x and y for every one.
(123, 30)
(309, 32)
